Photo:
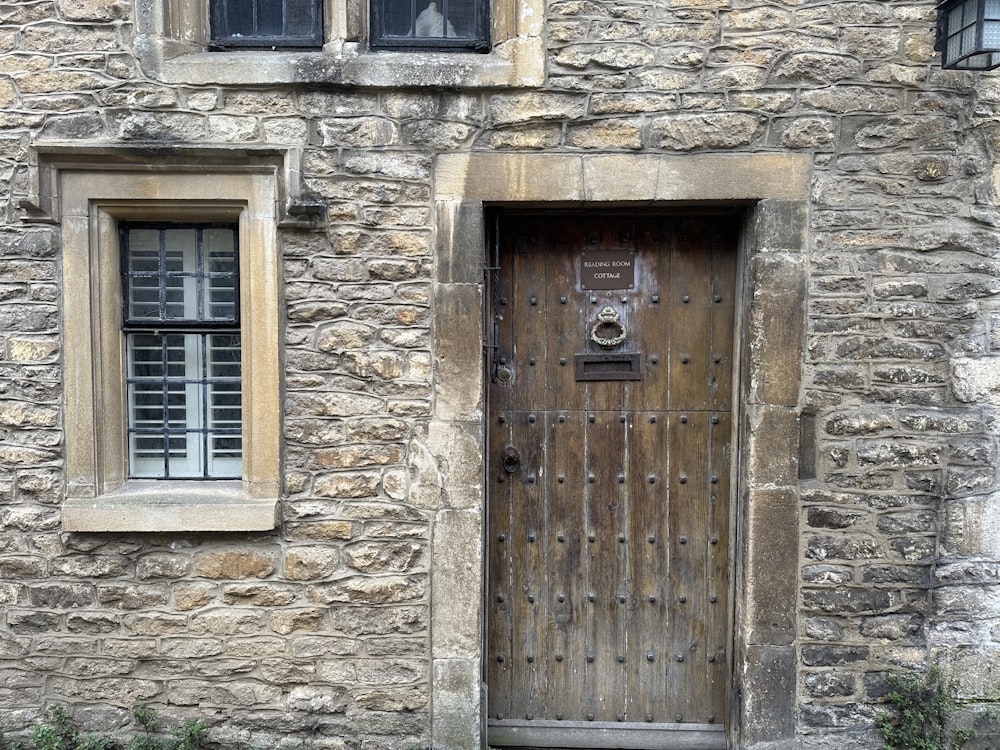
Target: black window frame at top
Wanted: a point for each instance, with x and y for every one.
(477, 41)
(224, 37)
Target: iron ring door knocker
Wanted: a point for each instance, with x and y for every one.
(606, 318)
(511, 459)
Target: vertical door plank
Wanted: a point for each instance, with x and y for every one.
(565, 316)
(723, 313)
(565, 537)
(604, 684)
(528, 568)
(528, 303)
(499, 646)
(647, 626)
(717, 617)
(688, 541)
(650, 322)
(689, 312)
(501, 321)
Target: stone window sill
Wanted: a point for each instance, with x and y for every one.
(514, 63)
(150, 506)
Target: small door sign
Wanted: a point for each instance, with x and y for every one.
(607, 269)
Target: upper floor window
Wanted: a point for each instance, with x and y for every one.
(452, 24)
(463, 44)
(267, 23)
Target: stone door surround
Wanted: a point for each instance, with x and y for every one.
(774, 189)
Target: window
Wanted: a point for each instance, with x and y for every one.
(182, 344)
(171, 335)
(415, 24)
(267, 23)
(495, 44)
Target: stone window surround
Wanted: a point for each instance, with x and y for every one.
(87, 196)
(771, 331)
(172, 36)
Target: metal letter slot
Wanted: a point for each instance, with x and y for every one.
(617, 366)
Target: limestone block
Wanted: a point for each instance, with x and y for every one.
(773, 559)
(319, 531)
(712, 130)
(816, 68)
(974, 380)
(287, 622)
(370, 590)
(457, 584)
(191, 648)
(524, 137)
(457, 704)
(258, 594)
(972, 527)
(122, 691)
(347, 484)
(131, 596)
(362, 621)
(976, 670)
(608, 135)
(768, 710)
(222, 622)
(357, 132)
(384, 557)
(391, 699)
(162, 565)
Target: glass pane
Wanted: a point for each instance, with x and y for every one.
(953, 50)
(462, 14)
(991, 35)
(144, 251)
(270, 16)
(148, 405)
(225, 405)
(968, 43)
(955, 19)
(239, 17)
(398, 17)
(146, 356)
(220, 264)
(300, 18)
(143, 265)
(180, 260)
(224, 356)
(432, 22)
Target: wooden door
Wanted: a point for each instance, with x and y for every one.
(610, 418)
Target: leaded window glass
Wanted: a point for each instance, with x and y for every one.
(267, 23)
(436, 24)
(182, 342)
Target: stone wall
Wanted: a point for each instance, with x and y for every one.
(319, 634)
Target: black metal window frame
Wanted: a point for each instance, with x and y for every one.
(477, 40)
(159, 331)
(226, 36)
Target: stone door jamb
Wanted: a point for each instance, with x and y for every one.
(774, 187)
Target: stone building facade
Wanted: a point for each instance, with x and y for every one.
(337, 596)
